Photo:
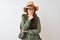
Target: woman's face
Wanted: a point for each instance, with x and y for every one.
(31, 10)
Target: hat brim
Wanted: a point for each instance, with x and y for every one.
(24, 9)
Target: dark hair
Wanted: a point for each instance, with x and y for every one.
(33, 24)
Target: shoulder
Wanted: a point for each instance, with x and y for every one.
(38, 18)
(23, 15)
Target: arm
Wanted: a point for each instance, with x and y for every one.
(35, 31)
(24, 24)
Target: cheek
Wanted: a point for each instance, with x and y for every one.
(30, 11)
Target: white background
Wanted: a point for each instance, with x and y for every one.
(10, 18)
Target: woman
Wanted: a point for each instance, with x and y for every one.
(30, 23)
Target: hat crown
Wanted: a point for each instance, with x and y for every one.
(30, 3)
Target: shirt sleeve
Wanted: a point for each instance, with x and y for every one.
(24, 24)
(35, 31)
